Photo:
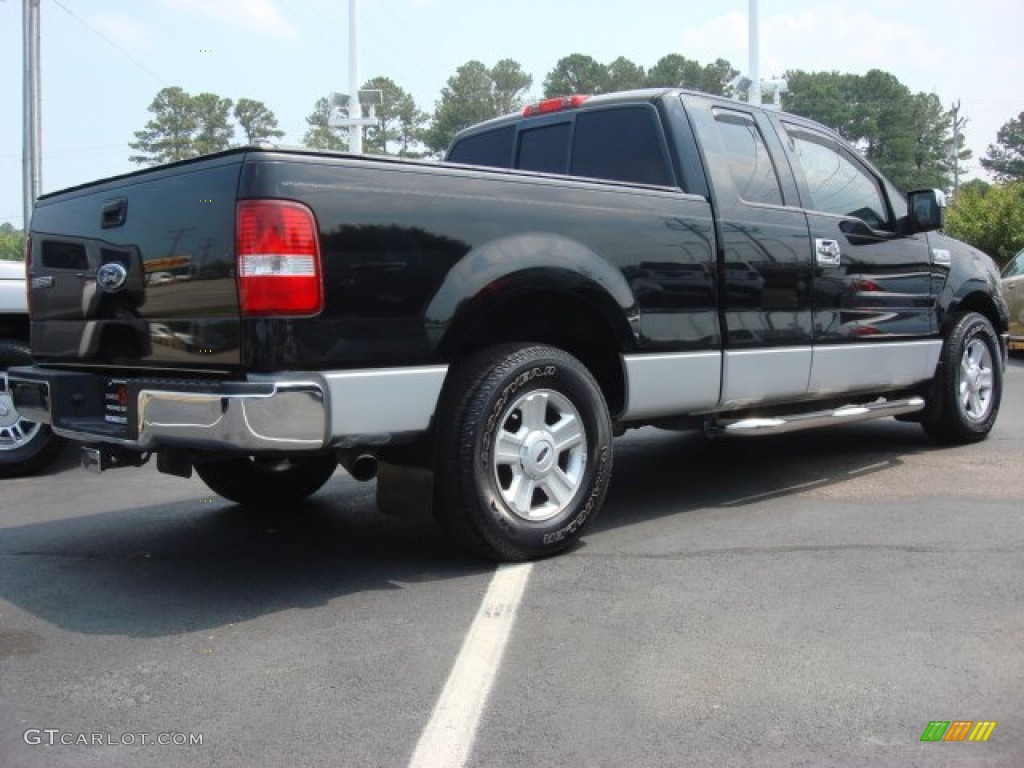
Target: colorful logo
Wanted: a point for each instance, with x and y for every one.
(958, 730)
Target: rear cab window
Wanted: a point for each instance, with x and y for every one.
(620, 143)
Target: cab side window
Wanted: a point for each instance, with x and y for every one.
(836, 182)
(492, 149)
(544, 149)
(621, 144)
(750, 165)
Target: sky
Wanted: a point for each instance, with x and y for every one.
(103, 61)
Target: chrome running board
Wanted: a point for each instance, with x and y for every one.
(847, 414)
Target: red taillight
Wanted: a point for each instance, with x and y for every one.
(278, 259)
(554, 105)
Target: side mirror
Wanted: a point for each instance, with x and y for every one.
(927, 210)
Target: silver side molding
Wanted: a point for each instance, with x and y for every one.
(847, 414)
(383, 401)
(670, 384)
(842, 368)
(753, 376)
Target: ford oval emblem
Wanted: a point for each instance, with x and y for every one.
(112, 277)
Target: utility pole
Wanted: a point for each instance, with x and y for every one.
(958, 123)
(355, 141)
(32, 142)
(352, 102)
(754, 65)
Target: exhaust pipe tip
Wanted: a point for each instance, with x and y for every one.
(362, 467)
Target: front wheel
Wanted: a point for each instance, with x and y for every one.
(264, 481)
(524, 452)
(968, 384)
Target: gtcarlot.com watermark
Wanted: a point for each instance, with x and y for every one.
(55, 737)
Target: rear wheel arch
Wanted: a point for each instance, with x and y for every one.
(561, 319)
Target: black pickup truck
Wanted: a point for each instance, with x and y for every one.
(476, 332)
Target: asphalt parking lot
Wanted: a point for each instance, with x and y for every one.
(806, 600)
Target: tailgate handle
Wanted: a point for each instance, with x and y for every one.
(114, 213)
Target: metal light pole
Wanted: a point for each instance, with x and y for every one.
(754, 66)
(32, 142)
(355, 131)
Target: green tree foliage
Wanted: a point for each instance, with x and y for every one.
(828, 97)
(907, 136)
(213, 117)
(624, 75)
(320, 135)
(576, 73)
(465, 100)
(401, 122)
(885, 108)
(579, 73)
(473, 94)
(257, 122)
(168, 136)
(12, 243)
(1005, 158)
(184, 126)
(990, 217)
(717, 76)
(676, 71)
(509, 85)
(932, 166)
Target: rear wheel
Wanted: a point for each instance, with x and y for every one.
(265, 482)
(25, 446)
(968, 385)
(524, 452)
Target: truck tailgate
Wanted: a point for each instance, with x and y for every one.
(138, 271)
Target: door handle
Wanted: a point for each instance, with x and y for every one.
(827, 253)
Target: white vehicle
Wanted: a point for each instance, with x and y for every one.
(25, 446)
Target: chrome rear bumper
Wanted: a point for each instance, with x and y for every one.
(292, 412)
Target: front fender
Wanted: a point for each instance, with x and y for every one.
(972, 284)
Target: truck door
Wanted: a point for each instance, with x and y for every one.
(874, 319)
(764, 260)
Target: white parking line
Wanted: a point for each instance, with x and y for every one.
(448, 738)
